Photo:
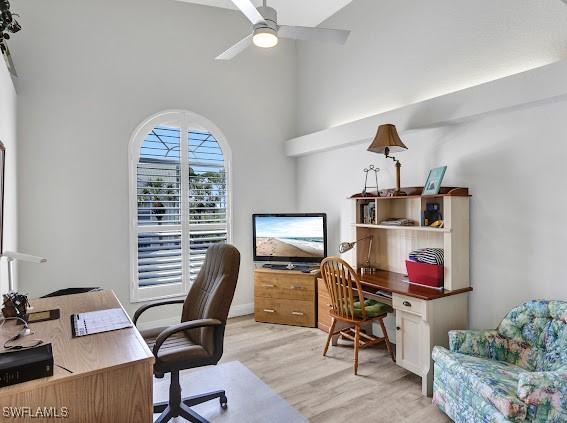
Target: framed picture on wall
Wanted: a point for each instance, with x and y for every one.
(433, 182)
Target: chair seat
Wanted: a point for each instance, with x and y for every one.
(176, 349)
(495, 381)
(373, 308)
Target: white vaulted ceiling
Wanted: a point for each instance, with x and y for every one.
(290, 12)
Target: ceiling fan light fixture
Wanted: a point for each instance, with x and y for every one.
(265, 38)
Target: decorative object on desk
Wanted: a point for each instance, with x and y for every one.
(12, 256)
(347, 246)
(426, 267)
(397, 221)
(385, 142)
(434, 179)
(14, 305)
(429, 275)
(431, 214)
(42, 316)
(366, 171)
(428, 255)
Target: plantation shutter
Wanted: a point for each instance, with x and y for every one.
(182, 204)
(207, 197)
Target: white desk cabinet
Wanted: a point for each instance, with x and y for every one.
(420, 325)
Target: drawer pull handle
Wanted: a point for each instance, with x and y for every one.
(269, 310)
(296, 287)
(297, 313)
(407, 303)
(269, 286)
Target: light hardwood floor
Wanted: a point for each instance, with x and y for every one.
(289, 359)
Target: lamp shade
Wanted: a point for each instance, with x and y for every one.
(387, 137)
(346, 246)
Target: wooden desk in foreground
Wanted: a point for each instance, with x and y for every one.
(112, 371)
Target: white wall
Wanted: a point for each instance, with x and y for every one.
(514, 167)
(404, 51)
(8, 138)
(90, 73)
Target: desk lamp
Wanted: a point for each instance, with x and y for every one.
(12, 256)
(347, 246)
(388, 141)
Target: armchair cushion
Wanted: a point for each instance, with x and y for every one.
(495, 381)
(546, 393)
(491, 345)
(537, 334)
(484, 344)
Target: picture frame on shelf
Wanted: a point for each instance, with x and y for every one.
(434, 180)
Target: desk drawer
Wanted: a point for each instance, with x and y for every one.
(409, 304)
(296, 287)
(286, 312)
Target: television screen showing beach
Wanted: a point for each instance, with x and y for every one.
(289, 236)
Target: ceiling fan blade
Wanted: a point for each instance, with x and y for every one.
(313, 34)
(236, 49)
(249, 11)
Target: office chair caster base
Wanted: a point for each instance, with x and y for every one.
(159, 407)
(223, 402)
(177, 406)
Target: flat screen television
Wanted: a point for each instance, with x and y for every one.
(291, 237)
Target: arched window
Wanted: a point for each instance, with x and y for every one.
(179, 201)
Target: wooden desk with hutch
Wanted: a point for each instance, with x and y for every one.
(423, 315)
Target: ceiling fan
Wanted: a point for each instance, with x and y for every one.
(266, 30)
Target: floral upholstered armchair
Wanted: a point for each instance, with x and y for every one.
(516, 373)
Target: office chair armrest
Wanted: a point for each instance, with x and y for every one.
(181, 327)
(145, 307)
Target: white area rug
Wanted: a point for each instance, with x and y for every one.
(249, 399)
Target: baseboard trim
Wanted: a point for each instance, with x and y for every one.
(241, 310)
(235, 311)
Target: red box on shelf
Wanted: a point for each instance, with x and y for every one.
(431, 275)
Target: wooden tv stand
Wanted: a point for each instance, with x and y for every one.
(287, 297)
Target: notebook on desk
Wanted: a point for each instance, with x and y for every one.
(99, 321)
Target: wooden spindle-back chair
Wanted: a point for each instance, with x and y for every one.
(344, 287)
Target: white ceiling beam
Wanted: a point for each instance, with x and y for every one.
(526, 89)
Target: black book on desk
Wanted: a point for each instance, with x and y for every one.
(23, 365)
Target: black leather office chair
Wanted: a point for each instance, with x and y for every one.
(198, 339)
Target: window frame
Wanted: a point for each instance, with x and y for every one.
(184, 120)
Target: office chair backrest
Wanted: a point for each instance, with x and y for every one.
(344, 288)
(211, 294)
